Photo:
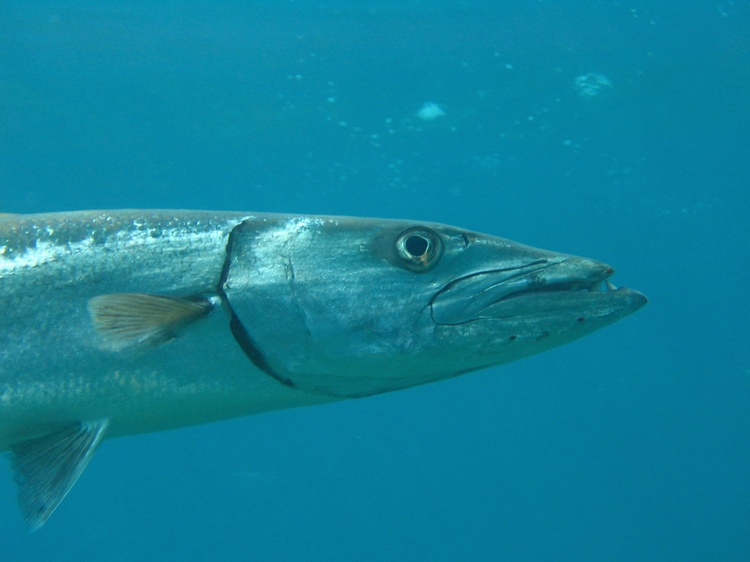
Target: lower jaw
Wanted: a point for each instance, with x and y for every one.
(582, 303)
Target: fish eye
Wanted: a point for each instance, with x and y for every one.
(419, 248)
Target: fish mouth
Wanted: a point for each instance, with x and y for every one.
(544, 287)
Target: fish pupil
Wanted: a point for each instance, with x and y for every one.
(417, 245)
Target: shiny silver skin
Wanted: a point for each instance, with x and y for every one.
(333, 307)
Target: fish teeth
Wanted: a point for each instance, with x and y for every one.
(610, 286)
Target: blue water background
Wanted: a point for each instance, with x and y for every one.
(631, 444)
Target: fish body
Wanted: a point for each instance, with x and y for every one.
(125, 322)
(54, 366)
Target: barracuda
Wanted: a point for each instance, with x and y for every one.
(125, 322)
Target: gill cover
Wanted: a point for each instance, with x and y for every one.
(333, 305)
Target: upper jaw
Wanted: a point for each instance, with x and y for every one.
(530, 288)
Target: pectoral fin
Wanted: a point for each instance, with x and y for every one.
(140, 321)
(45, 468)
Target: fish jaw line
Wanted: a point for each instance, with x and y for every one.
(551, 288)
(560, 301)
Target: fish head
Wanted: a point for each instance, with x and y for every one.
(349, 307)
